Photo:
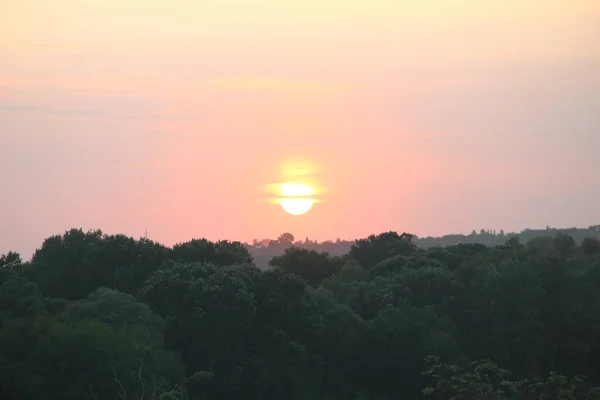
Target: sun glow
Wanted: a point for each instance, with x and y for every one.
(295, 190)
(295, 198)
(298, 192)
(296, 206)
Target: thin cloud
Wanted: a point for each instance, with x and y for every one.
(37, 45)
(6, 90)
(32, 109)
(28, 108)
(45, 45)
(281, 85)
(65, 103)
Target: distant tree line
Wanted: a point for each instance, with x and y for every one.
(96, 316)
(264, 250)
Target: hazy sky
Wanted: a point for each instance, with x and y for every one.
(429, 116)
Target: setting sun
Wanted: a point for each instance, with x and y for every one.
(293, 197)
(296, 189)
(300, 189)
(296, 206)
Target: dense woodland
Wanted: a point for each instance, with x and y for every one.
(95, 316)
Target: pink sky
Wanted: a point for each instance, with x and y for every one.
(429, 116)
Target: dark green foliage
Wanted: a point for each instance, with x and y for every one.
(485, 380)
(11, 261)
(376, 248)
(19, 297)
(313, 267)
(239, 330)
(75, 264)
(115, 309)
(88, 360)
(590, 246)
(267, 249)
(94, 316)
(220, 253)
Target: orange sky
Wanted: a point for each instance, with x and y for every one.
(429, 116)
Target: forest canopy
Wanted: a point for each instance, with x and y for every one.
(393, 316)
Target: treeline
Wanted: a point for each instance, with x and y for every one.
(96, 316)
(264, 250)
(491, 237)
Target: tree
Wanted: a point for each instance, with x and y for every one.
(73, 265)
(307, 264)
(222, 252)
(115, 309)
(590, 246)
(565, 244)
(195, 250)
(20, 298)
(344, 331)
(11, 261)
(513, 242)
(231, 253)
(485, 380)
(241, 332)
(394, 347)
(286, 239)
(376, 248)
(87, 360)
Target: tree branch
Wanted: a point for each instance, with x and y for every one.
(154, 387)
(143, 350)
(123, 392)
(91, 390)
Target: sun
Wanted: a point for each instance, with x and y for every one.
(295, 190)
(296, 206)
(299, 190)
(295, 198)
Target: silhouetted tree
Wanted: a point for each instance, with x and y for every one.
(377, 248)
(11, 260)
(286, 239)
(308, 264)
(590, 246)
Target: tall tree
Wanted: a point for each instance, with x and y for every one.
(376, 248)
(307, 264)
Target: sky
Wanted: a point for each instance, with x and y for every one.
(170, 116)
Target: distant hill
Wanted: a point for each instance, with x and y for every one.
(265, 250)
